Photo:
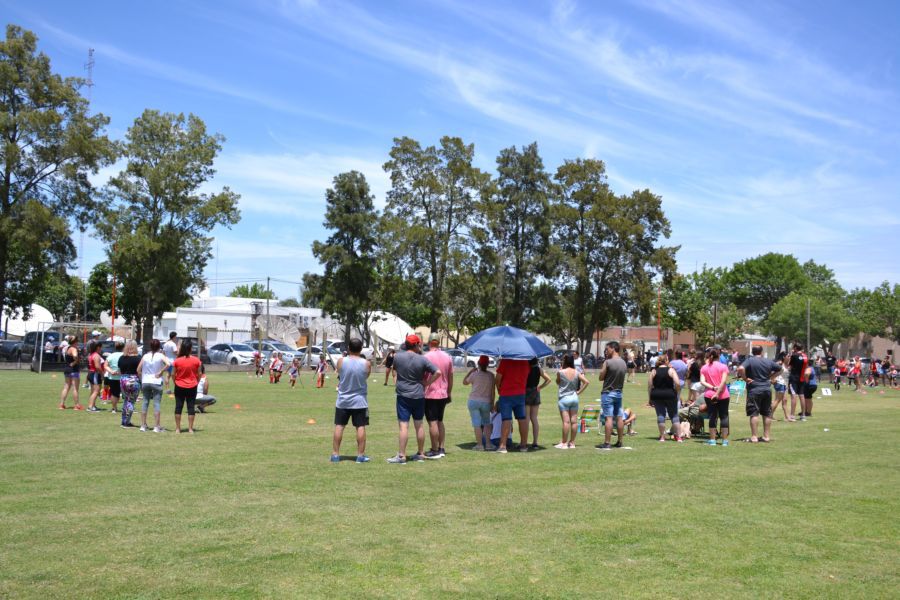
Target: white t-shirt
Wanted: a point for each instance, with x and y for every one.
(579, 364)
(201, 386)
(170, 350)
(153, 364)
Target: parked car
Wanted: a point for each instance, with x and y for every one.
(267, 347)
(458, 356)
(312, 361)
(10, 350)
(472, 361)
(339, 347)
(231, 354)
(36, 339)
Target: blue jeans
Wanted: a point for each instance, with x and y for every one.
(611, 403)
(509, 405)
(480, 411)
(152, 391)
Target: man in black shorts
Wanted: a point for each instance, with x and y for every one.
(759, 373)
(797, 380)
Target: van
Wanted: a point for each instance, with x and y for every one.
(37, 339)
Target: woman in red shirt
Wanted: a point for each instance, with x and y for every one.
(187, 375)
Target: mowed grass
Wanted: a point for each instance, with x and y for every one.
(251, 507)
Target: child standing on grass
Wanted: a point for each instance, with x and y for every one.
(293, 371)
(275, 368)
(320, 371)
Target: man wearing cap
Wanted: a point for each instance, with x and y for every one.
(170, 350)
(437, 396)
(412, 377)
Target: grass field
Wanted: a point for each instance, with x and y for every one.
(251, 507)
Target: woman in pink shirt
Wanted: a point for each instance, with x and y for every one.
(714, 377)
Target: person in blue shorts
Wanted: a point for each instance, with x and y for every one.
(414, 374)
(612, 374)
(511, 380)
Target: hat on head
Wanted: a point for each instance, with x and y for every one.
(483, 360)
(412, 339)
(434, 339)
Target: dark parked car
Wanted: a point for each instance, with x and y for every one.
(10, 350)
(36, 339)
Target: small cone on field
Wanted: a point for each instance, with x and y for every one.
(311, 422)
(54, 377)
(237, 407)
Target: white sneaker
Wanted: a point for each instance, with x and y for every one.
(158, 430)
(143, 428)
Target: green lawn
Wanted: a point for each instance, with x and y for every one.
(251, 507)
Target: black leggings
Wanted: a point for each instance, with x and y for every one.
(183, 395)
(718, 411)
(666, 404)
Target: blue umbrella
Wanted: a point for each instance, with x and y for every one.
(506, 342)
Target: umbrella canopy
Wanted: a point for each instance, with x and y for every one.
(506, 342)
(390, 328)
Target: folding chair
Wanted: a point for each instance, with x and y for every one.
(590, 413)
(738, 391)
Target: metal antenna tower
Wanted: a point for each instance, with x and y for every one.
(89, 67)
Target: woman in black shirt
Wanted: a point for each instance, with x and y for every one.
(130, 383)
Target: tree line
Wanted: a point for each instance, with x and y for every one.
(459, 248)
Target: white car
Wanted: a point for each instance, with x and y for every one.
(231, 354)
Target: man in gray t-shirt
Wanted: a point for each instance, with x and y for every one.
(758, 373)
(412, 369)
(612, 374)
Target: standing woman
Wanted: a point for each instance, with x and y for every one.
(129, 383)
(187, 376)
(111, 368)
(714, 377)
(95, 374)
(533, 387)
(151, 368)
(663, 389)
(389, 365)
(481, 403)
(71, 375)
(571, 383)
(781, 387)
(694, 377)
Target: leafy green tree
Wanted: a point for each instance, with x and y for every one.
(757, 284)
(254, 290)
(828, 320)
(821, 282)
(289, 302)
(348, 253)
(609, 245)
(49, 144)
(62, 295)
(516, 227)
(554, 314)
(156, 217)
(429, 205)
(877, 311)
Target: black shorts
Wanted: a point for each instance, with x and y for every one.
(115, 388)
(809, 390)
(759, 403)
(359, 416)
(434, 409)
(796, 387)
(94, 378)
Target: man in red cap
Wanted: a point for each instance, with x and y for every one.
(411, 368)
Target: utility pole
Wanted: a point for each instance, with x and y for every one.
(268, 325)
(808, 349)
(715, 317)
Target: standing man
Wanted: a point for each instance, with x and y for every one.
(352, 400)
(797, 380)
(170, 350)
(412, 377)
(511, 380)
(437, 396)
(612, 374)
(759, 373)
(681, 369)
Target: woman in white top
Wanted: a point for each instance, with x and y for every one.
(204, 400)
(150, 370)
(481, 402)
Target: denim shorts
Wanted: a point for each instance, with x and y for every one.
(480, 411)
(410, 407)
(568, 403)
(151, 391)
(780, 387)
(509, 405)
(611, 403)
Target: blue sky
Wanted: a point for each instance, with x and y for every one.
(764, 126)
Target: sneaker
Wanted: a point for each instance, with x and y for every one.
(158, 429)
(679, 439)
(478, 448)
(335, 458)
(534, 447)
(362, 459)
(78, 407)
(803, 419)
(443, 452)
(604, 447)
(433, 454)
(561, 446)
(501, 450)
(397, 460)
(143, 428)
(128, 426)
(724, 442)
(93, 409)
(417, 457)
(618, 444)
(710, 442)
